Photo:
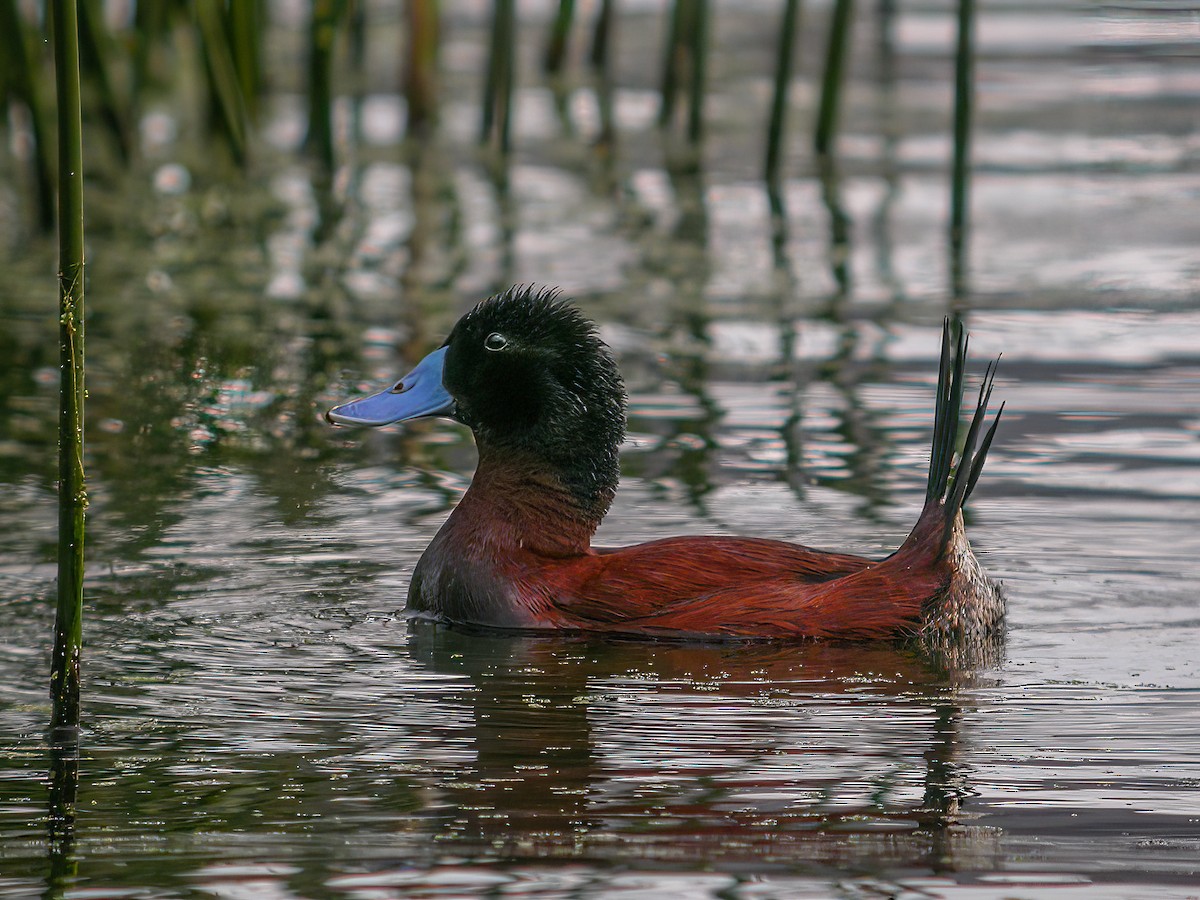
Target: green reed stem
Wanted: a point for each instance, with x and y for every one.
(964, 59)
(556, 42)
(222, 75)
(889, 167)
(674, 59)
(72, 494)
(600, 60)
(498, 89)
(699, 57)
(321, 35)
(834, 75)
(96, 44)
(64, 793)
(25, 79)
(839, 227)
(245, 41)
(356, 32)
(420, 73)
(509, 36)
(602, 36)
(151, 30)
(783, 80)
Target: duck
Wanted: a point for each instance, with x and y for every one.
(527, 372)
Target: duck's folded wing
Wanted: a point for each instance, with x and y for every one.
(877, 602)
(665, 578)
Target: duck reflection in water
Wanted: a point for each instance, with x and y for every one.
(545, 401)
(738, 753)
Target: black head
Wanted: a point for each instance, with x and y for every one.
(529, 375)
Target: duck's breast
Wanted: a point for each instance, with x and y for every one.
(460, 587)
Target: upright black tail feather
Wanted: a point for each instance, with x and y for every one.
(951, 481)
(946, 410)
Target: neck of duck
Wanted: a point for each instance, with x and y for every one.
(521, 504)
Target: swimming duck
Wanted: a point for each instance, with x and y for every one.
(529, 375)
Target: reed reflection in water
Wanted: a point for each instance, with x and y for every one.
(262, 720)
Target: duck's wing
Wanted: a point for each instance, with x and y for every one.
(734, 588)
(620, 588)
(876, 602)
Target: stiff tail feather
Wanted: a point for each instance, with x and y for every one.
(952, 475)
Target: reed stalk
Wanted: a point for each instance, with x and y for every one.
(97, 61)
(323, 25)
(556, 42)
(779, 99)
(839, 229)
(151, 28)
(964, 58)
(420, 72)
(498, 88)
(22, 71)
(600, 60)
(508, 31)
(245, 41)
(222, 75)
(72, 493)
(889, 167)
(72, 490)
(64, 794)
(356, 29)
(833, 76)
(674, 59)
(699, 60)
(491, 80)
(602, 36)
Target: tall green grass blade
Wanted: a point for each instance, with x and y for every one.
(833, 76)
(72, 495)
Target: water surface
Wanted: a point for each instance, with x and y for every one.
(262, 721)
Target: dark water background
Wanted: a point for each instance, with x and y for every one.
(262, 722)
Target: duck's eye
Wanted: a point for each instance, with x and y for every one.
(495, 341)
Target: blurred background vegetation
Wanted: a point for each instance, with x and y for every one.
(767, 206)
(287, 200)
